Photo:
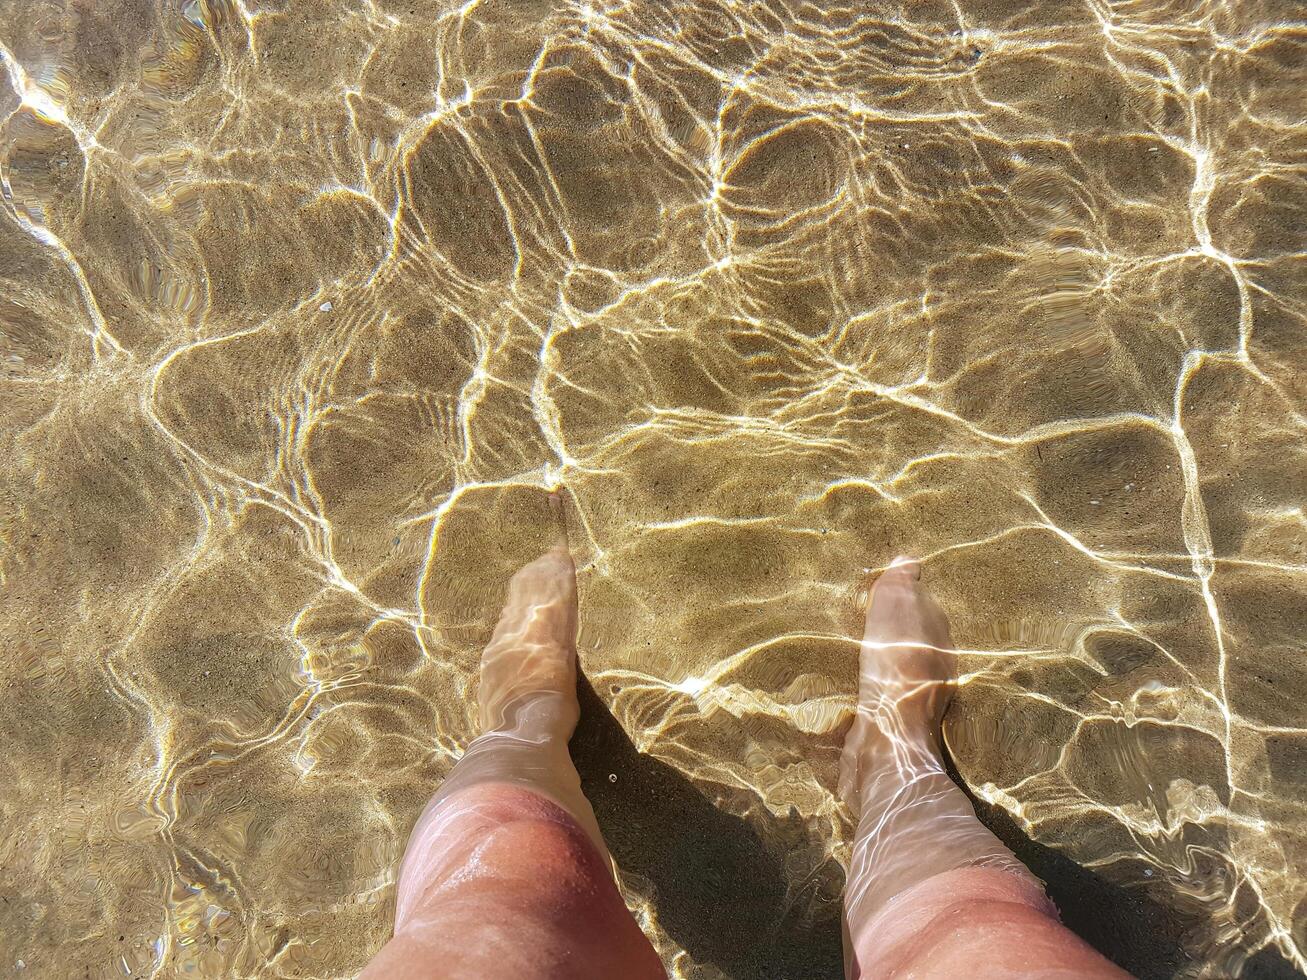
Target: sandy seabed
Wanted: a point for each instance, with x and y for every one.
(301, 304)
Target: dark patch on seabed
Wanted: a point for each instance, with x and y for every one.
(1133, 925)
(718, 884)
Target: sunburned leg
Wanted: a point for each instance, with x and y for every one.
(931, 892)
(506, 874)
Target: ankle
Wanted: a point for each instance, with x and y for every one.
(539, 717)
(892, 729)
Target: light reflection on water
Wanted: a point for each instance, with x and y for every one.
(301, 302)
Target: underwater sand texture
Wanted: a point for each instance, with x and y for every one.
(303, 303)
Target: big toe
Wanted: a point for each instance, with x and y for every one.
(905, 566)
(897, 586)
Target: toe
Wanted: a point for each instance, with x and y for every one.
(905, 566)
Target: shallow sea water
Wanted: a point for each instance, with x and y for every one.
(301, 304)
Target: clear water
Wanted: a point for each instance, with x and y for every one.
(302, 303)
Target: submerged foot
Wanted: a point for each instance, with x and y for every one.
(931, 892)
(528, 670)
(905, 675)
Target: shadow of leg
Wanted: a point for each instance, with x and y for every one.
(720, 887)
(1127, 924)
(720, 882)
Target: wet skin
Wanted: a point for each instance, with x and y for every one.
(930, 891)
(506, 873)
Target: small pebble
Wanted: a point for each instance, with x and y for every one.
(1148, 872)
(1129, 487)
(1095, 502)
(326, 307)
(612, 777)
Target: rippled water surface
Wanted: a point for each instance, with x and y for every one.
(301, 303)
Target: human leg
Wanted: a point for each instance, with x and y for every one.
(931, 892)
(506, 874)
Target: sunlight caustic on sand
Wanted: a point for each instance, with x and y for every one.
(303, 305)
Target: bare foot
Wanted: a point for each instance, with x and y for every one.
(931, 892)
(527, 701)
(528, 671)
(906, 670)
(506, 873)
